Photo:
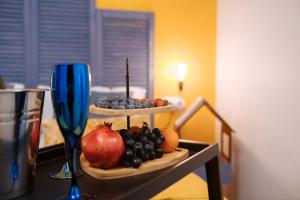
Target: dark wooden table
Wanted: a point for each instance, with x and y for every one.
(136, 187)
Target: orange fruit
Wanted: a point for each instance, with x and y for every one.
(171, 140)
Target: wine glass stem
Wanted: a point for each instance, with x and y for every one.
(74, 167)
(74, 193)
(66, 152)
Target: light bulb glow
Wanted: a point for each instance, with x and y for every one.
(181, 71)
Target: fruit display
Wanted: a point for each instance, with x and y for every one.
(171, 140)
(141, 145)
(103, 147)
(120, 102)
(129, 148)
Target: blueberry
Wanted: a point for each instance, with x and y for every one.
(122, 98)
(130, 100)
(122, 103)
(128, 154)
(145, 105)
(106, 105)
(136, 162)
(114, 107)
(121, 107)
(114, 98)
(158, 153)
(151, 104)
(100, 104)
(130, 106)
(98, 101)
(138, 105)
(109, 100)
(129, 143)
(103, 98)
(157, 143)
(115, 103)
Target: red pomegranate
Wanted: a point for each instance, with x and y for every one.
(103, 147)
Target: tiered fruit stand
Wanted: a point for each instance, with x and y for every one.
(167, 160)
(120, 172)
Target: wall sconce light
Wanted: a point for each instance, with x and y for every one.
(181, 72)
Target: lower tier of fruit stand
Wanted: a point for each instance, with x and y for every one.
(142, 186)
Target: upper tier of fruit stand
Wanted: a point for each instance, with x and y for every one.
(127, 112)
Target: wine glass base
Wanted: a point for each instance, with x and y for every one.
(65, 173)
(83, 196)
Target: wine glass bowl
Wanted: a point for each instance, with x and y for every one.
(70, 86)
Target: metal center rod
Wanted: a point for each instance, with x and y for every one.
(2, 83)
(127, 90)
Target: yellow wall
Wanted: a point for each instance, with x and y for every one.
(185, 31)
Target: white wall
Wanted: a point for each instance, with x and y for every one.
(258, 91)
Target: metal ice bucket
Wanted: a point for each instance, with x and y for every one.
(20, 119)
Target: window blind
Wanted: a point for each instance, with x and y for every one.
(126, 34)
(63, 34)
(12, 40)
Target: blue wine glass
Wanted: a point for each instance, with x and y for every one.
(70, 89)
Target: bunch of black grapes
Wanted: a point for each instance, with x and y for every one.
(141, 146)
